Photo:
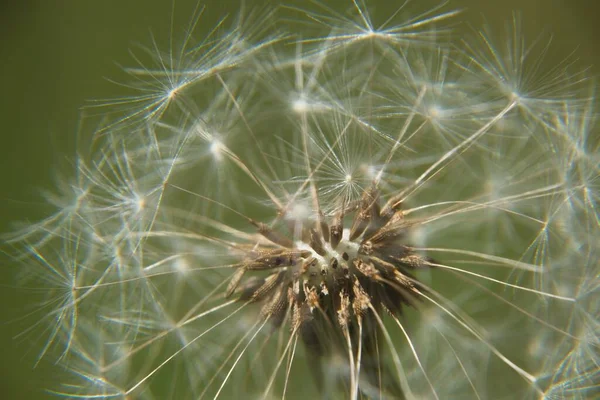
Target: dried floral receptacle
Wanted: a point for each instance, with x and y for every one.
(333, 283)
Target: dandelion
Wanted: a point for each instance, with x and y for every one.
(369, 213)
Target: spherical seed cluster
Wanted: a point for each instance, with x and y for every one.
(371, 212)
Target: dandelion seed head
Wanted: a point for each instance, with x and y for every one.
(376, 207)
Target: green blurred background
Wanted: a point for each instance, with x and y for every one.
(55, 57)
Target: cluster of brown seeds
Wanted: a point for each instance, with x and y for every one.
(332, 283)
